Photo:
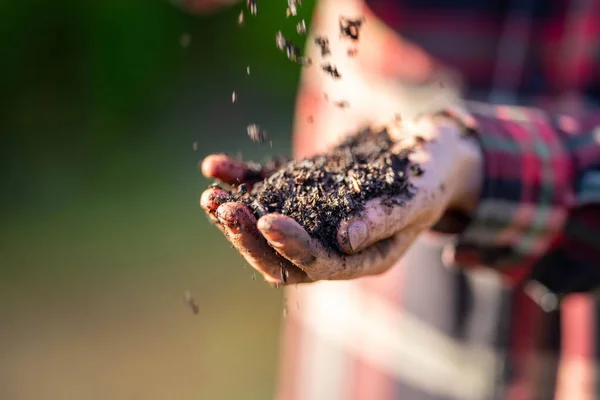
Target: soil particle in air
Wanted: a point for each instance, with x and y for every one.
(252, 6)
(319, 192)
(331, 70)
(323, 43)
(256, 133)
(350, 28)
(301, 27)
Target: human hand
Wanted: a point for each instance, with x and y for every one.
(373, 240)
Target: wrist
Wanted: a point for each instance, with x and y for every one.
(467, 175)
(470, 176)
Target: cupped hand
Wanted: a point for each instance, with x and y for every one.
(369, 242)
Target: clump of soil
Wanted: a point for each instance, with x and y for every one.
(319, 192)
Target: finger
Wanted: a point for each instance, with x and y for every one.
(229, 170)
(321, 262)
(212, 198)
(240, 227)
(287, 237)
(210, 201)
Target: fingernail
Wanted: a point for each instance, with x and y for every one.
(227, 219)
(276, 238)
(357, 234)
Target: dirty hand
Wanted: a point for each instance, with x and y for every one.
(371, 241)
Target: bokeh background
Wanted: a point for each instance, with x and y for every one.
(101, 233)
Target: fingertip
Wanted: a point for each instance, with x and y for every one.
(289, 238)
(269, 223)
(277, 226)
(208, 166)
(225, 168)
(264, 222)
(211, 199)
(236, 217)
(353, 235)
(342, 237)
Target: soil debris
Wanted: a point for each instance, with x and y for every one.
(283, 271)
(243, 189)
(252, 6)
(304, 61)
(331, 70)
(301, 28)
(256, 134)
(319, 192)
(191, 302)
(292, 51)
(292, 8)
(350, 28)
(416, 170)
(343, 104)
(323, 43)
(280, 40)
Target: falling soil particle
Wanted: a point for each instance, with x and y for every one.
(341, 104)
(256, 133)
(252, 6)
(416, 170)
(191, 302)
(350, 28)
(301, 27)
(331, 70)
(323, 43)
(319, 192)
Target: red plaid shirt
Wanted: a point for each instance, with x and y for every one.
(538, 217)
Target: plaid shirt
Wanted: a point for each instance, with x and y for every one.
(538, 217)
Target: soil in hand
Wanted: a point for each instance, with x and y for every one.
(319, 192)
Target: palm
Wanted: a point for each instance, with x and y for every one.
(280, 249)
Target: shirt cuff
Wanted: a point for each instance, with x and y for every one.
(527, 190)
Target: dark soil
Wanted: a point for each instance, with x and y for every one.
(320, 191)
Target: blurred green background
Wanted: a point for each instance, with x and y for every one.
(100, 229)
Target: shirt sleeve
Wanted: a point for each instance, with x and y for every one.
(541, 191)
